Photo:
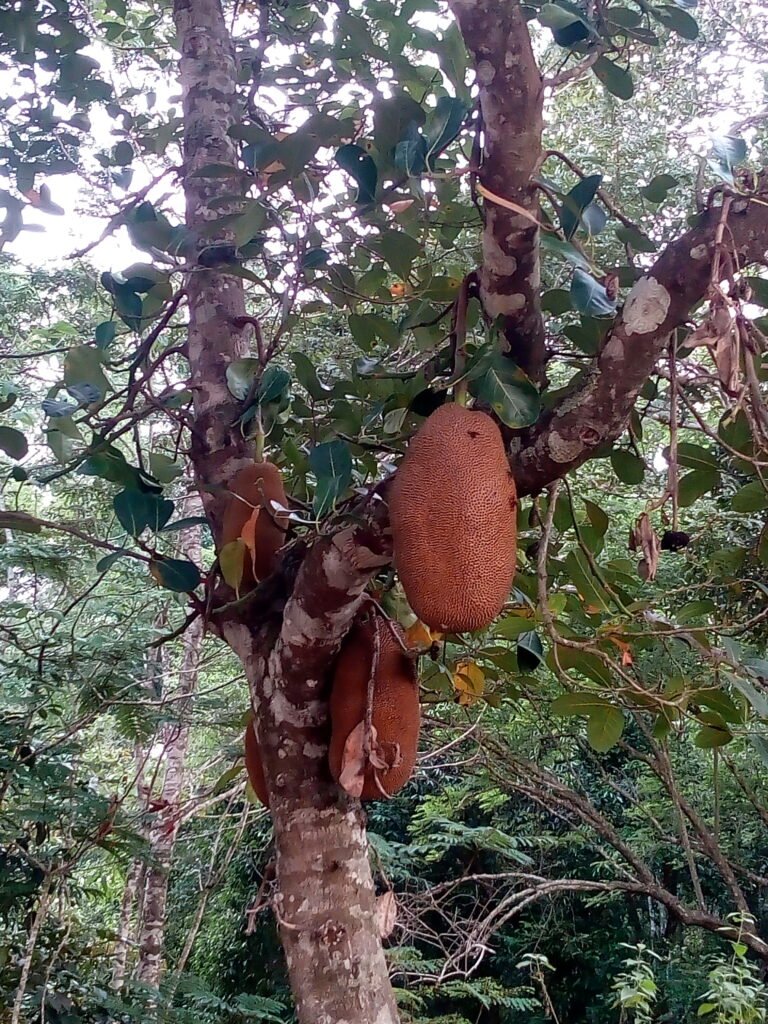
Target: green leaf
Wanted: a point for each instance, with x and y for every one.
(511, 394)
(615, 79)
(694, 456)
(240, 374)
(314, 258)
(110, 464)
(750, 498)
(13, 442)
(106, 563)
(710, 736)
(83, 365)
(331, 463)
(727, 562)
(104, 334)
(556, 301)
(694, 610)
(657, 188)
(175, 574)
(597, 517)
(580, 703)
(398, 249)
(137, 511)
(575, 659)
(273, 385)
(675, 20)
(164, 470)
(184, 524)
(637, 240)
(593, 594)
(576, 202)
(588, 296)
(452, 56)
(604, 728)
(695, 484)
(512, 627)
(355, 161)
(122, 154)
(530, 653)
(366, 327)
(226, 777)
(444, 125)
(762, 546)
(232, 562)
(564, 250)
(627, 466)
(394, 119)
(306, 375)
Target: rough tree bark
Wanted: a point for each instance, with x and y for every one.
(325, 906)
(162, 835)
(511, 97)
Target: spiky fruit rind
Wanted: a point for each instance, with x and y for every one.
(256, 486)
(453, 512)
(396, 712)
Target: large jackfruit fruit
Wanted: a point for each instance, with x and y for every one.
(396, 712)
(453, 511)
(253, 488)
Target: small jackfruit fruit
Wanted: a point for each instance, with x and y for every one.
(395, 715)
(248, 516)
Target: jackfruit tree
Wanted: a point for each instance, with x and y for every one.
(384, 206)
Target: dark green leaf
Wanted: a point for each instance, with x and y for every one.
(501, 383)
(710, 736)
(314, 258)
(576, 201)
(627, 466)
(675, 20)
(306, 375)
(184, 524)
(175, 574)
(108, 561)
(695, 484)
(751, 498)
(331, 463)
(638, 241)
(104, 334)
(616, 80)
(240, 374)
(355, 161)
(273, 384)
(590, 297)
(579, 703)
(530, 653)
(657, 188)
(444, 125)
(13, 442)
(604, 728)
(137, 511)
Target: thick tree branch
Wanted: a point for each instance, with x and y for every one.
(326, 902)
(595, 408)
(511, 107)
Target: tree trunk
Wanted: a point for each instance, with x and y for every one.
(124, 927)
(162, 836)
(326, 905)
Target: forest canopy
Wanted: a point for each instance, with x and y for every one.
(383, 511)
